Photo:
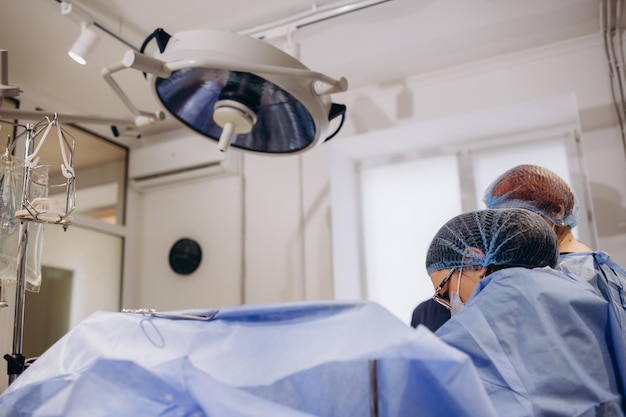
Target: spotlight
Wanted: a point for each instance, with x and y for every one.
(84, 44)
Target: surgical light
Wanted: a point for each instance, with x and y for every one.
(84, 44)
(237, 90)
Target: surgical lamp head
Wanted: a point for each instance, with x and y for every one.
(241, 91)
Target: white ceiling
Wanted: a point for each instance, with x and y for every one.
(384, 43)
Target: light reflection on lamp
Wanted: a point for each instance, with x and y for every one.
(84, 44)
(238, 90)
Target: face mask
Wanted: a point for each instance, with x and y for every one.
(455, 300)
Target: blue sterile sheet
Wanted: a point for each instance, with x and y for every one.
(296, 359)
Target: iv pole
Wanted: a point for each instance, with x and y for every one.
(37, 208)
(16, 361)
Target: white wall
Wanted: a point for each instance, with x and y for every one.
(282, 250)
(95, 282)
(250, 226)
(207, 211)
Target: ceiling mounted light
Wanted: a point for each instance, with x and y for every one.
(84, 44)
(238, 90)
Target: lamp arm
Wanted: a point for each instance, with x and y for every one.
(142, 117)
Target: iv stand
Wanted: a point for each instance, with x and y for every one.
(16, 361)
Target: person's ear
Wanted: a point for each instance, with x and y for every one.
(476, 274)
(482, 272)
(470, 255)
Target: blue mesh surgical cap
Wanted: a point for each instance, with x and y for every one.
(498, 237)
(535, 188)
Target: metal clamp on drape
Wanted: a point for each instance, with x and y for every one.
(152, 312)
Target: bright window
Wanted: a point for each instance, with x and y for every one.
(403, 205)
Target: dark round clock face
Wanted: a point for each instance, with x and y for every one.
(185, 256)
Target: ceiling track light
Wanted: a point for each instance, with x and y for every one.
(91, 23)
(84, 44)
(238, 90)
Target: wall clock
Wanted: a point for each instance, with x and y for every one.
(185, 256)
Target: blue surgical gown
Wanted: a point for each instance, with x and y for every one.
(543, 344)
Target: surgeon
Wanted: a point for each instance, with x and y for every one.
(539, 338)
(538, 189)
